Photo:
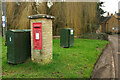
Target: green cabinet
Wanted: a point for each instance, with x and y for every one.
(18, 46)
(66, 37)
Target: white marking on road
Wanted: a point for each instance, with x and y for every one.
(113, 67)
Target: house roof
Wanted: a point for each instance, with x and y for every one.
(106, 19)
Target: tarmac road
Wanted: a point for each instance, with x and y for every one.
(114, 39)
(108, 64)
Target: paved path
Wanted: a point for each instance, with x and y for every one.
(107, 65)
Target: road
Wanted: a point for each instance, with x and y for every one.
(108, 64)
(115, 41)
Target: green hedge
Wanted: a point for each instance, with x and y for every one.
(100, 36)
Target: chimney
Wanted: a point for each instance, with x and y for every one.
(111, 14)
(108, 14)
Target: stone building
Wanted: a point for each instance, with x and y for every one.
(111, 23)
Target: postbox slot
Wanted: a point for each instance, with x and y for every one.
(37, 27)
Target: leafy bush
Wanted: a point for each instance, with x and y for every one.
(100, 36)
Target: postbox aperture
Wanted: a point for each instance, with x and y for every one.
(37, 36)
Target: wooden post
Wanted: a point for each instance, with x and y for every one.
(4, 21)
(0, 20)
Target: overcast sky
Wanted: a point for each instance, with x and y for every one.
(110, 5)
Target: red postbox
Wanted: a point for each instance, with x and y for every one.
(37, 36)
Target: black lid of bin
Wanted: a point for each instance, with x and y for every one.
(41, 16)
(19, 30)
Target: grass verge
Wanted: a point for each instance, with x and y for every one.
(74, 62)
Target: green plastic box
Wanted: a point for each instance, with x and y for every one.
(18, 46)
(66, 37)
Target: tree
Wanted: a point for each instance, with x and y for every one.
(100, 12)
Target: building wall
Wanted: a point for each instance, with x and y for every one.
(103, 27)
(106, 27)
(113, 22)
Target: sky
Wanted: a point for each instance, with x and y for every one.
(110, 6)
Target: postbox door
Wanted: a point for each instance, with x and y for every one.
(37, 36)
